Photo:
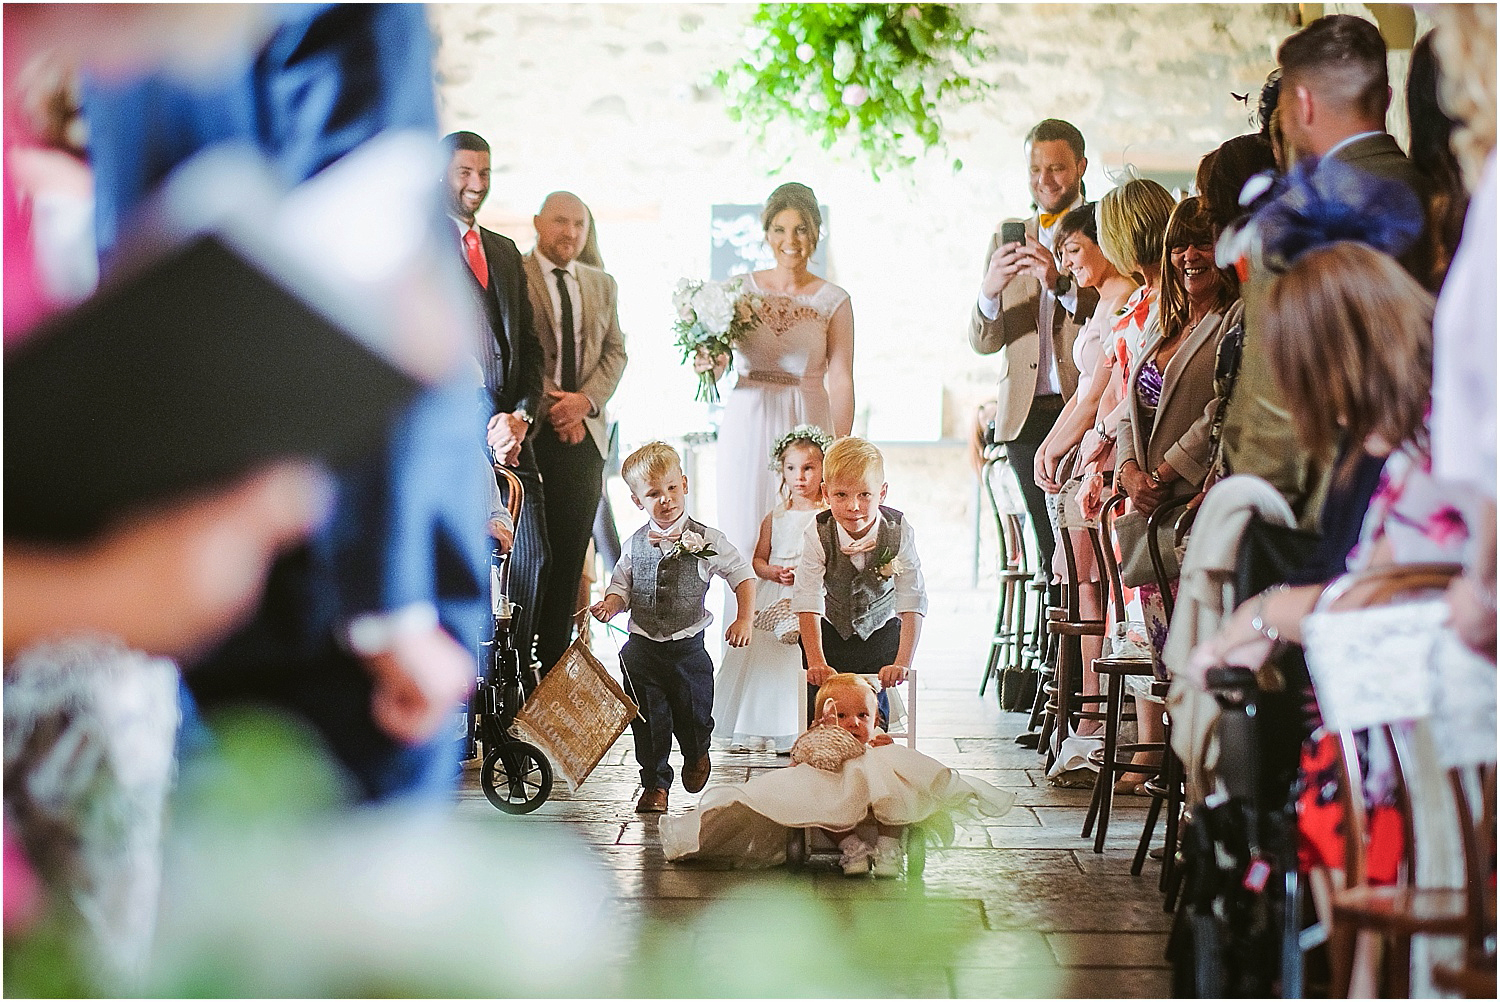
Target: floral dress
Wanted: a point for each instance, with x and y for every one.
(1420, 520)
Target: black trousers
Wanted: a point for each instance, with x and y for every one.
(573, 476)
(860, 657)
(672, 681)
(1022, 451)
(529, 557)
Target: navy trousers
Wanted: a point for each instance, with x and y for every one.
(672, 681)
(859, 657)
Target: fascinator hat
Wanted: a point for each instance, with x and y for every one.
(1318, 203)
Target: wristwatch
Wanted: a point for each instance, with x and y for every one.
(1102, 431)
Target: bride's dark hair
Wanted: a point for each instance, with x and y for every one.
(799, 197)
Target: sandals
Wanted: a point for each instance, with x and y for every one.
(1074, 779)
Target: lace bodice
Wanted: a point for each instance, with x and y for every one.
(791, 338)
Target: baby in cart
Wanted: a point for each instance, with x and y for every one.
(861, 792)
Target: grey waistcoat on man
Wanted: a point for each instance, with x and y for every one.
(858, 601)
(666, 593)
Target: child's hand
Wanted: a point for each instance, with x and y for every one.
(881, 739)
(786, 575)
(818, 674)
(606, 608)
(738, 634)
(891, 674)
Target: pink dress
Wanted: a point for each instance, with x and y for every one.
(780, 367)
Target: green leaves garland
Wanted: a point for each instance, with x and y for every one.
(874, 75)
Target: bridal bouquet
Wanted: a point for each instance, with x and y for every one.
(711, 317)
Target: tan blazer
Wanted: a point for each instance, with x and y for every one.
(1013, 333)
(602, 360)
(1184, 417)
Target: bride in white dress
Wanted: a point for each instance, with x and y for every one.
(795, 367)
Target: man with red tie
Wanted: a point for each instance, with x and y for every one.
(511, 358)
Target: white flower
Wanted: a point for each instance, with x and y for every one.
(805, 52)
(817, 102)
(891, 567)
(843, 60)
(714, 307)
(692, 541)
(854, 95)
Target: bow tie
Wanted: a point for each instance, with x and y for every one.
(1044, 220)
(656, 538)
(859, 545)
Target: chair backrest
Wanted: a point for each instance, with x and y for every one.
(1008, 509)
(1473, 785)
(515, 493)
(1366, 590)
(1105, 551)
(1164, 513)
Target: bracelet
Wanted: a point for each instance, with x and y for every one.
(1258, 622)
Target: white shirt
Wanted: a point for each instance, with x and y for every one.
(1047, 381)
(726, 562)
(808, 590)
(1463, 347)
(575, 297)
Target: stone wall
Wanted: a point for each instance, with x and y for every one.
(611, 101)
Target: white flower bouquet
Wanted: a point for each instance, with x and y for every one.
(711, 317)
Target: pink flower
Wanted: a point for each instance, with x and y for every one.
(1446, 526)
(855, 95)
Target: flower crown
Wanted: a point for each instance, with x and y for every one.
(1317, 205)
(802, 433)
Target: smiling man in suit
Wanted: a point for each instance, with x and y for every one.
(512, 364)
(577, 327)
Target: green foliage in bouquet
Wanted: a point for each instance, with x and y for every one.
(875, 75)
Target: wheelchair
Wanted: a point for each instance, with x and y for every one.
(515, 774)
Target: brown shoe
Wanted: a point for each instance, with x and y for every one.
(652, 802)
(695, 774)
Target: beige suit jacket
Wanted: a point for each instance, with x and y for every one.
(1013, 334)
(1184, 417)
(601, 362)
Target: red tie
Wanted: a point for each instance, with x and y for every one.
(476, 257)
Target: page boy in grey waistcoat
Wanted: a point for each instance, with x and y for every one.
(859, 594)
(662, 578)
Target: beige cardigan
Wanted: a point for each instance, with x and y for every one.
(1180, 434)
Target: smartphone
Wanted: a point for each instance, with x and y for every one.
(1013, 233)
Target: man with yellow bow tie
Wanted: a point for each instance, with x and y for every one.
(1022, 293)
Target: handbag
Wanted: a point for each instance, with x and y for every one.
(1269, 554)
(1135, 550)
(779, 619)
(826, 746)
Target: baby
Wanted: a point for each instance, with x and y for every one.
(862, 803)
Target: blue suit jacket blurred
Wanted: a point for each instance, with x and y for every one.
(408, 523)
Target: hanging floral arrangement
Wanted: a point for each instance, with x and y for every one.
(871, 75)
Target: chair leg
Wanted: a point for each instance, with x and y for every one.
(1291, 936)
(1172, 777)
(1341, 938)
(1147, 830)
(1107, 771)
(1088, 819)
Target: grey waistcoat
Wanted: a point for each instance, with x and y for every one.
(666, 595)
(858, 601)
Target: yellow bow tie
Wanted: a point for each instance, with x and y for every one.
(1046, 219)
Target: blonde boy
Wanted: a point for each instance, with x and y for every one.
(859, 594)
(662, 578)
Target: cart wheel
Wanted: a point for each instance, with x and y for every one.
(916, 853)
(516, 777)
(796, 848)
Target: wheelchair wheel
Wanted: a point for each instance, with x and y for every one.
(516, 777)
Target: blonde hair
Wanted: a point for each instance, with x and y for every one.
(1132, 222)
(1464, 42)
(850, 458)
(837, 683)
(1349, 335)
(651, 461)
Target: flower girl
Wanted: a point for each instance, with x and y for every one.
(755, 696)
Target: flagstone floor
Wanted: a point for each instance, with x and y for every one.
(1035, 911)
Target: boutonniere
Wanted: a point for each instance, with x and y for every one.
(692, 544)
(888, 563)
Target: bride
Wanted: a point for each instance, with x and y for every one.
(796, 366)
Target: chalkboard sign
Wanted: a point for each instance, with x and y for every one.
(738, 243)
